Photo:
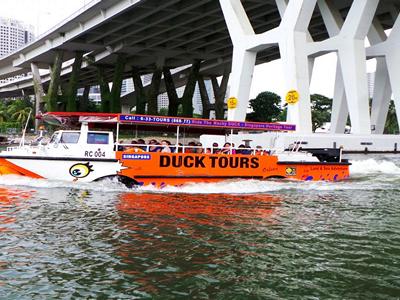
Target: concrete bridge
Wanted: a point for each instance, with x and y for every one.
(114, 39)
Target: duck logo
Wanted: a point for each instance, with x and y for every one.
(291, 171)
(80, 170)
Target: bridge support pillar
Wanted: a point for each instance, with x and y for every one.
(334, 22)
(382, 89)
(73, 83)
(152, 98)
(173, 99)
(205, 98)
(187, 98)
(115, 97)
(55, 72)
(296, 16)
(84, 103)
(140, 94)
(387, 50)
(349, 44)
(219, 94)
(39, 92)
(104, 89)
(291, 36)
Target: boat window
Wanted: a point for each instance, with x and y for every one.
(70, 137)
(97, 138)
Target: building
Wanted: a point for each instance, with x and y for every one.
(13, 35)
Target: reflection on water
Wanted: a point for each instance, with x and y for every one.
(173, 239)
(299, 240)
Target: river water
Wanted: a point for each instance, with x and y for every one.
(231, 240)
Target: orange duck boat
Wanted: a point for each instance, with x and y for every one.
(86, 154)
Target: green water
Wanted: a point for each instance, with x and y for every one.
(232, 240)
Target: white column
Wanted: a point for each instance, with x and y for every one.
(340, 111)
(296, 63)
(291, 36)
(352, 58)
(389, 50)
(334, 22)
(246, 44)
(243, 61)
(382, 90)
(349, 43)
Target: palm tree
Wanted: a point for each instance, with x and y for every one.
(19, 110)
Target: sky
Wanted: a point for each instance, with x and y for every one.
(44, 14)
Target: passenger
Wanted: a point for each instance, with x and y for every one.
(240, 149)
(199, 148)
(244, 150)
(154, 146)
(141, 144)
(179, 148)
(190, 148)
(226, 149)
(259, 150)
(165, 146)
(120, 147)
(233, 151)
(215, 148)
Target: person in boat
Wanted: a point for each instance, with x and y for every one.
(179, 148)
(215, 148)
(166, 146)
(260, 150)
(243, 150)
(226, 149)
(199, 148)
(154, 146)
(141, 144)
(191, 148)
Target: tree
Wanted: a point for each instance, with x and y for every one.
(266, 108)
(321, 108)
(391, 126)
(19, 110)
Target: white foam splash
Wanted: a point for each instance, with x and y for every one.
(103, 186)
(371, 166)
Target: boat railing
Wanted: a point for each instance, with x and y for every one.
(193, 149)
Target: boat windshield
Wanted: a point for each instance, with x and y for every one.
(54, 137)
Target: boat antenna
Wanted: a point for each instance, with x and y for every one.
(22, 142)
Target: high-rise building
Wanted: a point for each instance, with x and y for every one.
(13, 35)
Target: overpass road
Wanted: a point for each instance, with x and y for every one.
(152, 34)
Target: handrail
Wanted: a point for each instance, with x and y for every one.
(205, 150)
